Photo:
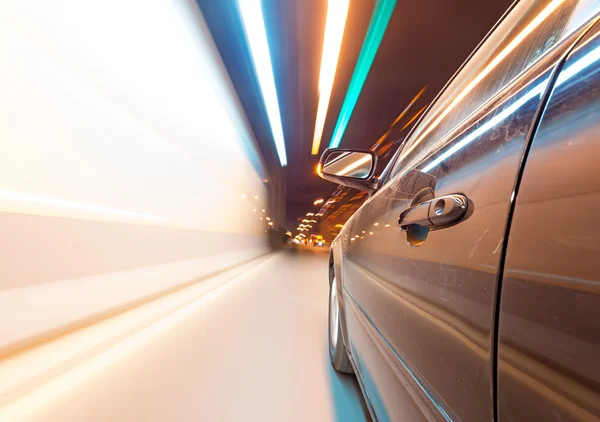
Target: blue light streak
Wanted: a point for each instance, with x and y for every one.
(565, 75)
(252, 17)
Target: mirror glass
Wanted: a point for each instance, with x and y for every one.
(349, 164)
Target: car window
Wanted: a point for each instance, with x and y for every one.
(528, 32)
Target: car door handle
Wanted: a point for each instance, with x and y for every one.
(436, 213)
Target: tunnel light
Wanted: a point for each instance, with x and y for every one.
(337, 11)
(318, 201)
(379, 21)
(252, 17)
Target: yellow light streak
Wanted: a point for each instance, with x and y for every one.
(415, 98)
(337, 11)
(413, 118)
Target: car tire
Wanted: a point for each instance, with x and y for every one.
(337, 351)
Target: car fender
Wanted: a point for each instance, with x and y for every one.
(336, 263)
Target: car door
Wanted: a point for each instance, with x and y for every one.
(549, 329)
(421, 302)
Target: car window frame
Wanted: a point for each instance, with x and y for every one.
(386, 174)
(389, 173)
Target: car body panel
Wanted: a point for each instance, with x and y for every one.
(420, 322)
(434, 305)
(376, 358)
(549, 330)
(336, 259)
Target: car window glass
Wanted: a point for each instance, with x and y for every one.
(584, 9)
(527, 33)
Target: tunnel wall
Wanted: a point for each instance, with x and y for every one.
(127, 165)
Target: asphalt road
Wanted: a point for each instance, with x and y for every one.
(248, 346)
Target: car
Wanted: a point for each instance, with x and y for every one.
(318, 240)
(476, 294)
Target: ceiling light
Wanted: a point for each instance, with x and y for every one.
(379, 21)
(252, 16)
(337, 11)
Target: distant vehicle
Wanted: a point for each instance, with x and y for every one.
(318, 241)
(467, 287)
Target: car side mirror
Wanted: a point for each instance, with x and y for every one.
(352, 168)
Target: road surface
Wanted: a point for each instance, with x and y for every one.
(249, 344)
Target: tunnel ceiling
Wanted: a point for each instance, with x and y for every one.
(419, 48)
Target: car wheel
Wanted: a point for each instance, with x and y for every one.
(337, 350)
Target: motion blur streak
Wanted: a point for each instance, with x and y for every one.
(252, 16)
(400, 116)
(535, 22)
(410, 104)
(137, 328)
(415, 117)
(15, 201)
(377, 26)
(337, 11)
(125, 162)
